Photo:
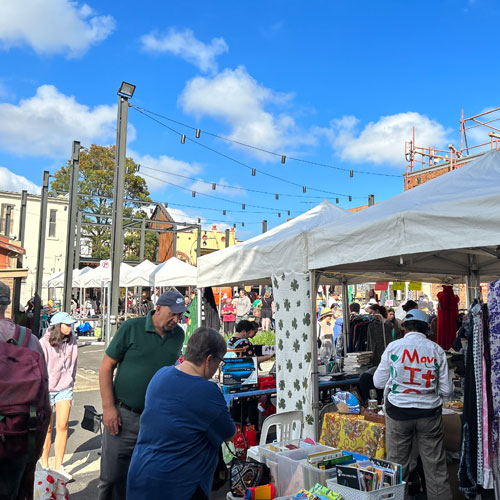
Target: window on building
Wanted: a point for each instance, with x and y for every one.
(3, 217)
(52, 223)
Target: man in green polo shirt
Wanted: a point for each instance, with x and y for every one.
(140, 347)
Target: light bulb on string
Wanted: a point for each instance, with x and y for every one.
(198, 133)
(183, 138)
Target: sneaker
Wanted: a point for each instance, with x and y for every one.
(65, 474)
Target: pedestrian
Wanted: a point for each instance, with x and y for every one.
(414, 373)
(184, 423)
(18, 463)
(140, 347)
(228, 316)
(61, 353)
(266, 311)
(243, 306)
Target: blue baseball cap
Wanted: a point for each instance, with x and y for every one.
(62, 317)
(174, 300)
(416, 315)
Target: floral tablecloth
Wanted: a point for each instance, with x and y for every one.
(353, 433)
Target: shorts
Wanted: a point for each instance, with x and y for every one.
(266, 314)
(64, 395)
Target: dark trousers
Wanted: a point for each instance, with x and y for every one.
(428, 434)
(116, 455)
(17, 476)
(229, 327)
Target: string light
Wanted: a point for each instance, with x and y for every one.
(253, 172)
(277, 196)
(283, 159)
(351, 173)
(193, 194)
(213, 186)
(147, 112)
(198, 133)
(183, 138)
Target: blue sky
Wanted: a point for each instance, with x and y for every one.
(338, 83)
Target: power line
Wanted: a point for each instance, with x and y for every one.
(252, 169)
(273, 153)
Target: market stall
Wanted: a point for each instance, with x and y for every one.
(174, 272)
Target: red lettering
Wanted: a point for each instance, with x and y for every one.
(427, 360)
(428, 377)
(412, 358)
(412, 374)
(414, 391)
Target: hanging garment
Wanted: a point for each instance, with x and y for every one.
(212, 318)
(379, 334)
(494, 323)
(447, 317)
(467, 470)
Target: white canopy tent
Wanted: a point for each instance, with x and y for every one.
(174, 272)
(444, 229)
(78, 279)
(141, 275)
(282, 249)
(52, 277)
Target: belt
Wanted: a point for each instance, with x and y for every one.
(121, 404)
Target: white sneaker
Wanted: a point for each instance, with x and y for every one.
(64, 473)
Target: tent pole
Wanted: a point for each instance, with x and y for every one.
(472, 281)
(126, 302)
(199, 307)
(345, 312)
(314, 278)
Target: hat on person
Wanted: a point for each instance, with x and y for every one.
(326, 311)
(62, 317)
(372, 301)
(416, 315)
(174, 300)
(4, 294)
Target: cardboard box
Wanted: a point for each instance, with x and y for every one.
(452, 426)
(239, 374)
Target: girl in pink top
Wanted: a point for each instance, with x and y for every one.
(228, 316)
(61, 351)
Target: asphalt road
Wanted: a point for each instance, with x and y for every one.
(82, 457)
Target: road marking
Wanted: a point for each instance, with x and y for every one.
(86, 378)
(95, 350)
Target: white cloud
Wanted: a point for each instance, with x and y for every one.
(52, 27)
(164, 164)
(47, 123)
(239, 100)
(383, 141)
(185, 45)
(9, 181)
(205, 187)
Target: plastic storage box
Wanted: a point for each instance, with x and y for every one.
(396, 492)
(294, 473)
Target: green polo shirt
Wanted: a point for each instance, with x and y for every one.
(140, 353)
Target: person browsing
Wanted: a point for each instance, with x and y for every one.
(140, 347)
(414, 373)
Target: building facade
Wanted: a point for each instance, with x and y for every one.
(55, 240)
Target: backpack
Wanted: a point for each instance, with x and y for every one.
(24, 405)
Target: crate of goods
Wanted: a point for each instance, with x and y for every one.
(293, 473)
(396, 492)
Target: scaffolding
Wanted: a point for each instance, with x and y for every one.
(453, 157)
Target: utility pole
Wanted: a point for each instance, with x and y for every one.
(125, 92)
(7, 220)
(264, 226)
(174, 241)
(41, 254)
(227, 237)
(70, 238)
(20, 237)
(371, 200)
(198, 244)
(78, 238)
(143, 235)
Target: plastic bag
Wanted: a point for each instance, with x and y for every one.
(49, 485)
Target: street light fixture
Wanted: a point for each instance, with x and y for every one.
(126, 90)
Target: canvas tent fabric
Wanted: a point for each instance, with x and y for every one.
(282, 249)
(141, 275)
(439, 230)
(175, 272)
(53, 281)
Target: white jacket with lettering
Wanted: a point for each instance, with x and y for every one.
(414, 372)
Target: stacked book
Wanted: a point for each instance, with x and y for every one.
(356, 361)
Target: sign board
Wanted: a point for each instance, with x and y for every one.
(398, 285)
(415, 285)
(106, 268)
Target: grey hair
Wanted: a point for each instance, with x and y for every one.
(203, 342)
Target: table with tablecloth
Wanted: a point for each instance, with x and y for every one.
(354, 433)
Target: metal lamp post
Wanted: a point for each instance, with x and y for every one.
(125, 93)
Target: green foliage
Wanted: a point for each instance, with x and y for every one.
(97, 165)
(264, 338)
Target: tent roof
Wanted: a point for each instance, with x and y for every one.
(141, 275)
(435, 230)
(281, 249)
(175, 272)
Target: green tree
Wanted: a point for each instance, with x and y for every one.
(97, 165)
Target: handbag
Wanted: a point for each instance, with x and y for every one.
(247, 474)
(91, 419)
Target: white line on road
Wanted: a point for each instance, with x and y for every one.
(95, 350)
(86, 378)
